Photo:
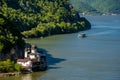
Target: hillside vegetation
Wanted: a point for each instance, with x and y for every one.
(37, 18)
(83, 7)
(10, 36)
(101, 6)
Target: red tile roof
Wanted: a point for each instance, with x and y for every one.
(22, 60)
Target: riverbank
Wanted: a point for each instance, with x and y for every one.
(45, 30)
(34, 60)
(95, 57)
(9, 74)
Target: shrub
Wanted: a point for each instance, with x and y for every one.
(17, 67)
(9, 66)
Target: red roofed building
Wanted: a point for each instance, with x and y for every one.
(24, 62)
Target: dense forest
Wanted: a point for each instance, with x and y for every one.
(36, 18)
(97, 6)
(39, 18)
(84, 7)
(10, 36)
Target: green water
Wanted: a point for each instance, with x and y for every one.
(96, 57)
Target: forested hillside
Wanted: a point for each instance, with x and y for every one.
(83, 7)
(101, 6)
(36, 18)
(107, 6)
(10, 36)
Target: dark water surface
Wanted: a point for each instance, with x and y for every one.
(96, 57)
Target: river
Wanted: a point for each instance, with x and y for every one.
(96, 57)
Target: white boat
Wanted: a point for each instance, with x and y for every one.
(81, 35)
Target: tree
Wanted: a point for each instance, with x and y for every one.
(10, 36)
(35, 18)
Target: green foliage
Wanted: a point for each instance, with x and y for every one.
(2, 21)
(36, 18)
(97, 6)
(17, 67)
(9, 66)
(10, 36)
(83, 7)
(107, 6)
(1, 46)
(82, 23)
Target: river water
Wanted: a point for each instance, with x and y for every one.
(96, 57)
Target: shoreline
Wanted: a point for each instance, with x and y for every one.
(53, 35)
(104, 14)
(2, 75)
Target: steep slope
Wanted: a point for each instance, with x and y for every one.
(103, 6)
(83, 7)
(107, 6)
(10, 36)
(36, 18)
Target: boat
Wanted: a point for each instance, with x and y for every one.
(83, 35)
